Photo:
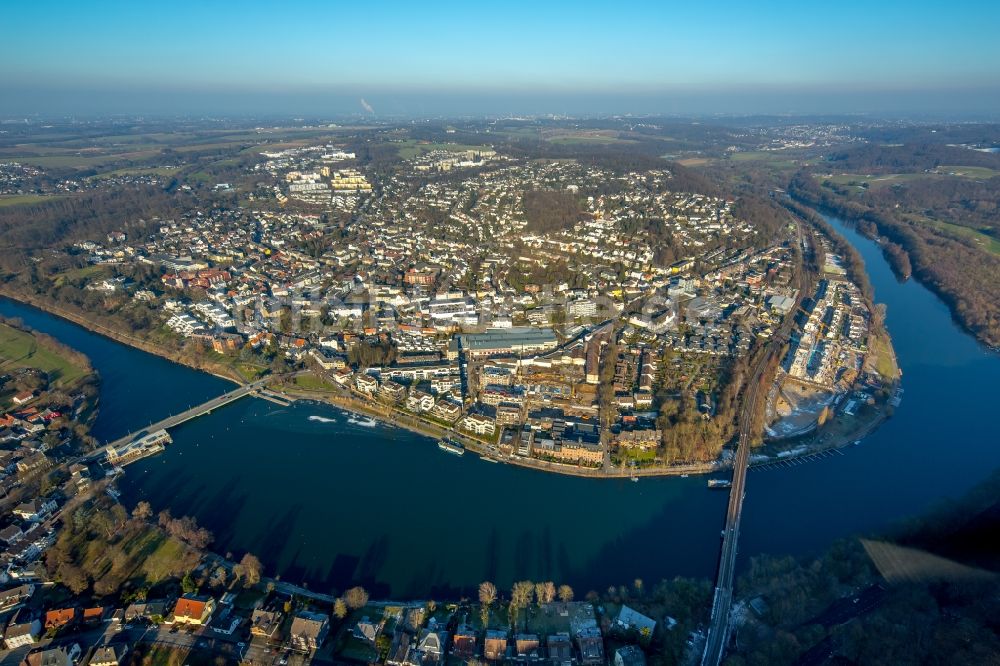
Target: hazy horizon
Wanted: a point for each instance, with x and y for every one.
(916, 58)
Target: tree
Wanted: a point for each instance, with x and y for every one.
(250, 569)
(520, 597)
(73, 577)
(340, 608)
(637, 585)
(188, 584)
(356, 597)
(565, 593)
(219, 577)
(142, 511)
(487, 595)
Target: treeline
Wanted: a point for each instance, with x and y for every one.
(898, 258)
(101, 548)
(961, 200)
(184, 528)
(907, 158)
(984, 134)
(551, 211)
(962, 274)
(365, 354)
(75, 218)
(765, 214)
(810, 616)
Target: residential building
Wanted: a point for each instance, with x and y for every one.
(308, 631)
(630, 655)
(108, 655)
(495, 645)
(265, 623)
(191, 609)
(20, 633)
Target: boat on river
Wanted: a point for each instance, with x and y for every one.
(450, 447)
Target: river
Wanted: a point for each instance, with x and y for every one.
(329, 502)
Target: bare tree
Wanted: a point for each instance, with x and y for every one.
(487, 595)
(250, 569)
(219, 577)
(142, 511)
(356, 597)
(520, 598)
(550, 592)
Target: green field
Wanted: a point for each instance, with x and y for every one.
(78, 159)
(884, 359)
(313, 383)
(875, 181)
(19, 349)
(412, 148)
(19, 199)
(139, 171)
(969, 171)
(770, 158)
(985, 241)
(588, 140)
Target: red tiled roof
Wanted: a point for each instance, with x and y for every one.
(59, 617)
(193, 608)
(93, 613)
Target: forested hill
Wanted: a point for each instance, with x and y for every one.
(958, 262)
(907, 158)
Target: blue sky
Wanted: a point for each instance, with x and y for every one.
(416, 53)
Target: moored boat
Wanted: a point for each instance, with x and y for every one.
(451, 447)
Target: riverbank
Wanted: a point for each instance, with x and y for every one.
(203, 365)
(396, 418)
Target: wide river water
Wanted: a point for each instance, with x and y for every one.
(321, 498)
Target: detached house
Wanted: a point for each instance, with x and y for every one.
(60, 656)
(495, 645)
(109, 655)
(21, 633)
(308, 631)
(431, 646)
(367, 630)
(265, 623)
(463, 644)
(192, 609)
(59, 617)
(36, 510)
